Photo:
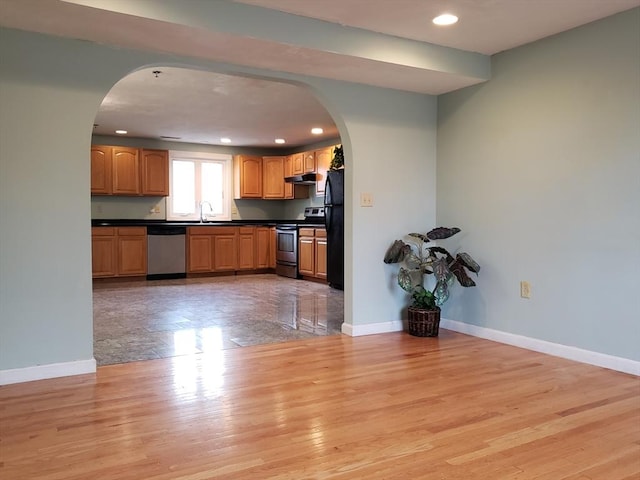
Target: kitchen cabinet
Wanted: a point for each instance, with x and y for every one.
(155, 172)
(132, 251)
(263, 247)
(297, 163)
(272, 247)
(118, 252)
(288, 172)
(312, 253)
(246, 248)
(323, 161)
(273, 185)
(199, 252)
(306, 258)
(126, 171)
(103, 252)
(309, 162)
(129, 171)
(225, 249)
(320, 246)
(247, 176)
(101, 169)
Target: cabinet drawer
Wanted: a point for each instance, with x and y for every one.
(132, 231)
(103, 231)
(321, 233)
(307, 232)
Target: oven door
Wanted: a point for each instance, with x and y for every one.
(287, 250)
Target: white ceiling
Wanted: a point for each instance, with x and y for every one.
(201, 107)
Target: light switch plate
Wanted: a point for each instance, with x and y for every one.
(366, 200)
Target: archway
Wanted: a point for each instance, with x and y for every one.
(146, 91)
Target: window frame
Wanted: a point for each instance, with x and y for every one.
(227, 183)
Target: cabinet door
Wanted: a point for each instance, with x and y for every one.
(103, 252)
(199, 253)
(323, 160)
(321, 257)
(263, 253)
(273, 177)
(288, 171)
(126, 171)
(306, 259)
(246, 248)
(225, 253)
(101, 183)
(247, 176)
(155, 172)
(298, 164)
(309, 162)
(272, 247)
(132, 251)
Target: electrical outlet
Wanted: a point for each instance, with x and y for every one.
(366, 200)
(525, 289)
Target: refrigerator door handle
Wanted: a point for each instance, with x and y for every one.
(327, 217)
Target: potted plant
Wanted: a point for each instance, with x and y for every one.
(418, 259)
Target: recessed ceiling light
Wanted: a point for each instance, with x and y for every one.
(279, 140)
(317, 131)
(121, 132)
(445, 19)
(225, 140)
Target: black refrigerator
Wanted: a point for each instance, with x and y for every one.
(334, 221)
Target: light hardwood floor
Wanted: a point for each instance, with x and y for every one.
(387, 406)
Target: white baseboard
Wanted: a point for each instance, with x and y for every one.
(371, 328)
(51, 370)
(557, 350)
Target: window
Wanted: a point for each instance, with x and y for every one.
(199, 179)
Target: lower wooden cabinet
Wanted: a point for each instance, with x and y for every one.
(263, 250)
(312, 253)
(246, 248)
(320, 243)
(118, 251)
(228, 249)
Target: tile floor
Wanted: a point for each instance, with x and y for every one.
(143, 320)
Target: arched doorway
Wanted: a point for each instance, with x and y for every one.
(182, 109)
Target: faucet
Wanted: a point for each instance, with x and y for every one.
(204, 218)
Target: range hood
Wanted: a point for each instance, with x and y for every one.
(305, 179)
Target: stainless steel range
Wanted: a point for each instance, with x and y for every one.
(287, 241)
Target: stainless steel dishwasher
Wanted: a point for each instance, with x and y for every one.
(166, 252)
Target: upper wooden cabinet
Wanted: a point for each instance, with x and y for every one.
(247, 176)
(126, 171)
(155, 172)
(323, 160)
(297, 163)
(309, 162)
(101, 169)
(273, 185)
(129, 171)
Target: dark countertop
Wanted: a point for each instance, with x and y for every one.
(161, 223)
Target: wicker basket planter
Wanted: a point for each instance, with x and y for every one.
(424, 323)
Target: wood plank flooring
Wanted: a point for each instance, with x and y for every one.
(387, 406)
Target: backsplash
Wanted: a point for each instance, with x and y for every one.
(138, 208)
(154, 208)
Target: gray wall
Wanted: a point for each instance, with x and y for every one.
(540, 167)
(50, 90)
